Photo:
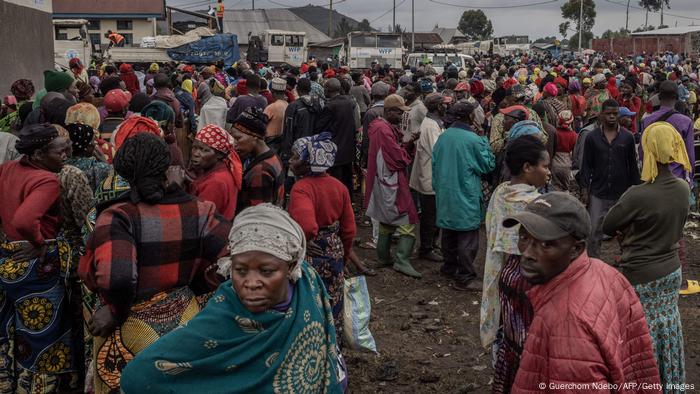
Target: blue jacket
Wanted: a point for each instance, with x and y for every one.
(460, 159)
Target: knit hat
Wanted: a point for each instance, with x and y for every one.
(57, 81)
(116, 100)
(253, 122)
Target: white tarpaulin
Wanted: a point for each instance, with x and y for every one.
(167, 42)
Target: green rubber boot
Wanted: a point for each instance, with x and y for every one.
(383, 251)
(402, 262)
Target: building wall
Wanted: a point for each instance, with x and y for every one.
(27, 52)
(140, 28)
(648, 44)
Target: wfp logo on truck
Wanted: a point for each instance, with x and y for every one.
(294, 49)
(386, 51)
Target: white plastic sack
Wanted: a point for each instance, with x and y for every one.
(357, 310)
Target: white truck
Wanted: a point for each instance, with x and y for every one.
(71, 40)
(439, 58)
(278, 47)
(364, 48)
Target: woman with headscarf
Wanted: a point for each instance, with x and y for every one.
(578, 104)
(648, 220)
(268, 329)
(322, 206)
(506, 312)
(83, 157)
(88, 114)
(552, 103)
(263, 173)
(217, 169)
(164, 115)
(187, 103)
(126, 74)
(562, 178)
(213, 106)
(37, 331)
(145, 293)
(22, 90)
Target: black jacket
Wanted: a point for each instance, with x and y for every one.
(338, 118)
(300, 119)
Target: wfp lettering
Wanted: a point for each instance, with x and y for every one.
(385, 51)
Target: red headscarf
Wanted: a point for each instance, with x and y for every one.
(242, 87)
(126, 73)
(612, 88)
(219, 139)
(562, 82)
(132, 126)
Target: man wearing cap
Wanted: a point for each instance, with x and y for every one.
(116, 102)
(462, 93)
(275, 113)
(414, 100)
(387, 196)
(422, 174)
(588, 325)
(338, 118)
(626, 118)
(668, 96)
(460, 158)
(61, 82)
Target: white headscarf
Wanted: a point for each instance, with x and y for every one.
(266, 228)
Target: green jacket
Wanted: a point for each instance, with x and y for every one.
(460, 159)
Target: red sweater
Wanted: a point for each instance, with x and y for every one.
(566, 140)
(29, 210)
(635, 105)
(319, 201)
(590, 328)
(217, 186)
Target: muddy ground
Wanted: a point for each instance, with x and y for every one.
(427, 334)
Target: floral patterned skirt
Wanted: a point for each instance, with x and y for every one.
(330, 267)
(147, 322)
(38, 350)
(659, 299)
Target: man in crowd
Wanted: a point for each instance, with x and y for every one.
(338, 117)
(609, 167)
(251, 100)
(275, 114)
(588, 326)
(461, 156)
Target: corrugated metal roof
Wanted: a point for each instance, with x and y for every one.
(97, 8)
(318, 17)
(242, 22)
(669, 31)
(445, 33)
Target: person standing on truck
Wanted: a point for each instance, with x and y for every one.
(115, 39)
(220, 16)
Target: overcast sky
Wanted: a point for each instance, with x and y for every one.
(536, 21)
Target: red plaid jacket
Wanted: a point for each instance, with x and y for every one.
(139, 250)
(263, 181)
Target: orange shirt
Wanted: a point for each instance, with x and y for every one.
(220, 10)
(116, 38)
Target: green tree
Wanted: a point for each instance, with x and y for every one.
(571, 12)
(564, 28)
(342, 29)
(654, 5)
(364, 25)
(399, 29)
(615, 34)
(475, 25)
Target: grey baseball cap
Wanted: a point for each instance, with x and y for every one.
(553, 216)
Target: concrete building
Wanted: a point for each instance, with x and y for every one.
(27, 41)
(682, 39)
(134, 19)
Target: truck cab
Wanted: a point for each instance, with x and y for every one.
(285, 47)
(71, 40)
(439, 59)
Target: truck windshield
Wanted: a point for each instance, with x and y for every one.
(364, 41)
(277, 40)
(388, 41)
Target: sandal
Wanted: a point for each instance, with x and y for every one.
(693, 288)
(368, 245)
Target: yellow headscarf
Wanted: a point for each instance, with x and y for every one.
(187, 85)
(663, 144)
(154, 68)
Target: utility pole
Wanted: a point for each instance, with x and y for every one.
(330, 20)
(393, 20)
(253, 5)
(413, 25)
(662, 14)
(627, 18)
(580, 26)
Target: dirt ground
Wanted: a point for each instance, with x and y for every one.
(427, 334)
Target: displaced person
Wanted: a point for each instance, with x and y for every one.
(321, 205)
(267, 329)
(126, 268)
(460, 158)
(588, 324)
(648, 219)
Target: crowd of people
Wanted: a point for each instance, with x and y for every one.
(174, 228)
